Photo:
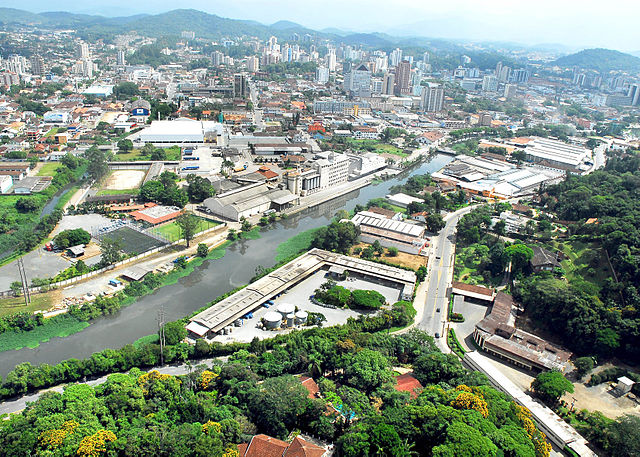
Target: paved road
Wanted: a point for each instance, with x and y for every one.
(435, 297)
(14, 406)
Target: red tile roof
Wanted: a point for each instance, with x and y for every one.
(266, 446)
(303, 448)
(263, 446)
(310, 385)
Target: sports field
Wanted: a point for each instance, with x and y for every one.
(134, 242)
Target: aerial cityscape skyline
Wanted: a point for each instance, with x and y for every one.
(340, 229)
(569, 23)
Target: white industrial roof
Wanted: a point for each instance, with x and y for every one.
(183, 130)
(389, 224)
(403, 199)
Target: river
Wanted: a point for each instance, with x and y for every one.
(51, 204)
(210, 280)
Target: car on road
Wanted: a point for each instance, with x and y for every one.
(437, 310)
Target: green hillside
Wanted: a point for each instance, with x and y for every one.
(600, 59)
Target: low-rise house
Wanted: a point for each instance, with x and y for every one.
(266, 446)
(497, 335)
(543, 260)
(420, 216)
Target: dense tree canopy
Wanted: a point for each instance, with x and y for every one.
(212, 409)
(337, 236)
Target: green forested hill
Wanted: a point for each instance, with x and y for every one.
(601, 60)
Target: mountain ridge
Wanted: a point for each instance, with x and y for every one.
(600, 59)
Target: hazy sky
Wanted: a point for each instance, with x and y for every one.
(578, 23)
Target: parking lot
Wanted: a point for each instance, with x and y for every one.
(299, 296)
(473, 313)
(207, 163)
(37, 264)
(89, 222)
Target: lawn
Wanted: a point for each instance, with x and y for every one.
(171, 230)
(49, 168)
(173, 153)
(39, 302)
(397, 209)
(586, 261)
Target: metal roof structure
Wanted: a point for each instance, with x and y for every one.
(251, 297)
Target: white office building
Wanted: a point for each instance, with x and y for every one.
(322, 75)
(490, 83)
(358, 81)
(432, 99)
(333, 169)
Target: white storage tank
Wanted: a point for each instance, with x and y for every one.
(290, 319)
(301, 317)
(286, 308)
(272, 320)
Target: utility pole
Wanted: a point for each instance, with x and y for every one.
(160, 320)
(25, 284)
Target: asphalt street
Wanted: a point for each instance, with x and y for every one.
(438, 280)
(14, 406)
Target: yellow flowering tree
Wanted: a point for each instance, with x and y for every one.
(206, 378)
(96, 444)
(53, 439)
(540, 443)
(468, 400)
(211, 426)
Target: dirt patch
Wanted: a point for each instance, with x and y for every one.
(402, 259)
(600, 398)
(124, 179)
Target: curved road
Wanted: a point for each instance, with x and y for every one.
(17, 405)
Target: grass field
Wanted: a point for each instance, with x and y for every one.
(171, 230)
(49, 168)
(366, 145)
(39, 302)
(66, 197)
(295, 244)
(52, 132)
(173, 153)
(586, 261)
(135, 191)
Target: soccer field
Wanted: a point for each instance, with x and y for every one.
(134, 241)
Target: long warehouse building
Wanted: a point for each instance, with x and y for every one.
(209, 322)
(559, 432)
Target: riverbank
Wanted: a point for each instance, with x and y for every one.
(210, 279)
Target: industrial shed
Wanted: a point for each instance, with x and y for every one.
(184, 130)
(247, 201)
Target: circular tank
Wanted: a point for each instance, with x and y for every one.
(301, 317)
(286, 308)
(272, 320)
(290, 319)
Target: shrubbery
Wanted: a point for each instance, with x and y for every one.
(340, 296)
